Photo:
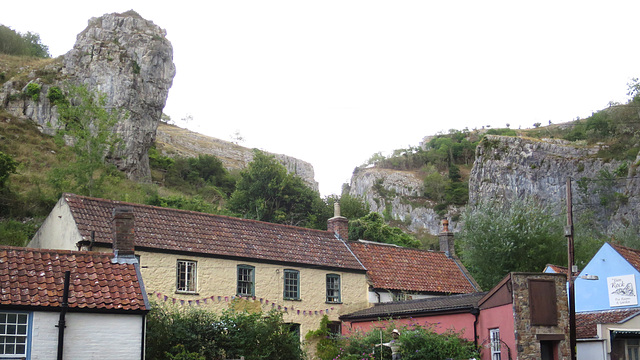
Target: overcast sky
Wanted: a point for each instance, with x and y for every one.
(333, 82)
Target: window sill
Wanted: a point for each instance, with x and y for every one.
(187, 292)
(287, 299)
(333, 302)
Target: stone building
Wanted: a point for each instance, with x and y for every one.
(197, 259)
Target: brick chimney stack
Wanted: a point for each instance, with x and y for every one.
(446, 240)
(338, 224)
(123, 231)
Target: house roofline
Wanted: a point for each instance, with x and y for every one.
(228, 257)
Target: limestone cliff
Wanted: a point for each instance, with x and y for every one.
(172, 141)
(398, 195)
(126, 58)
(514, 167)
(507, 168)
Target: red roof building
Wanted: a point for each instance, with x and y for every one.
(106, 304)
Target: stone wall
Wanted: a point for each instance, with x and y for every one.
(217, 278)
(527, 335)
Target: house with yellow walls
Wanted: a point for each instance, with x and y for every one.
(196, 259)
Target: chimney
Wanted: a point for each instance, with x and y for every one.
(446, 240)
(338, 225)
(123, 234)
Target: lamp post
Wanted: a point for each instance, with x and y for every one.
(568, 232)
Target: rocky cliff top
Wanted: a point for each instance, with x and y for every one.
(172, 141)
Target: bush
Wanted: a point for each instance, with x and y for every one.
(194, 333)
(417, 343)
(33, 91)
(56, 96)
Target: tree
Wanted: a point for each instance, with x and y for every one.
(8, 166)
(373, 228)
(88, 127)
(498, 238)
(266, 191)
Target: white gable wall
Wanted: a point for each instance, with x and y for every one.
(59, 230)
(87, 336)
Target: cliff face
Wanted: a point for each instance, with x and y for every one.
(398, 194)
(509, 168)
(172, 140)
(126, 58)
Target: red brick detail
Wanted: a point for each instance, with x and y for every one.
(124, 233)
(339, 225)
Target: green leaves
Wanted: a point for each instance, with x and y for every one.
(267, 192)
(498, 238)
(88, 126)
(8, 166)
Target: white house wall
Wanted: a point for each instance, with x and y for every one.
(59, 230)
(591, 350)
(87, 336)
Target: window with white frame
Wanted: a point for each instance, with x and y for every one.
(333, 288)
(186, 278)
(13, 334)
(494, 335)
(246, 284)
(291, 284)
(633, 349)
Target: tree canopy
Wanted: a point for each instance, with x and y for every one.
(266, 191)
(373, 228)
(27, 44)
(498, 238)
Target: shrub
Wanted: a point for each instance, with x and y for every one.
(56, 96)
(33, 91)
(194, 333)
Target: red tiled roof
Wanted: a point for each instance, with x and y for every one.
(398, 268)
(631, 255)
(586, 322)
(193, 232)
(35, 277)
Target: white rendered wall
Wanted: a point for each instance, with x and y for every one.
(591, 350)
(87, 336)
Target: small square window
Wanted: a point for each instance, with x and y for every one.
(186, 278)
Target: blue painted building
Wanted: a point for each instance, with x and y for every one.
(607, 309)
(609, 281)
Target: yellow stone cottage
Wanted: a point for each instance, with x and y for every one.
(196, 259)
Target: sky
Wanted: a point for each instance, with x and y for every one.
(333, 82)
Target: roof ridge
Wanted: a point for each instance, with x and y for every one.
(377, 243)
(234, 218)
(57, 251)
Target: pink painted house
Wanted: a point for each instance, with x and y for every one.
(524, 317)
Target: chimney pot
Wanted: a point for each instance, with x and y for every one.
(447, 244)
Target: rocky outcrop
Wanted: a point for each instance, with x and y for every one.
(128, 59)
(398, 194)
(175, 141)
(124, 57)
(507, 168)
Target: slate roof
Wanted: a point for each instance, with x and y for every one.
(398, 268)
(587, 322)
(192, 232)
(35, 278)
(631, 255)
(452, 303)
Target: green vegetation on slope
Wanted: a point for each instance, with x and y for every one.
(27, 44)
